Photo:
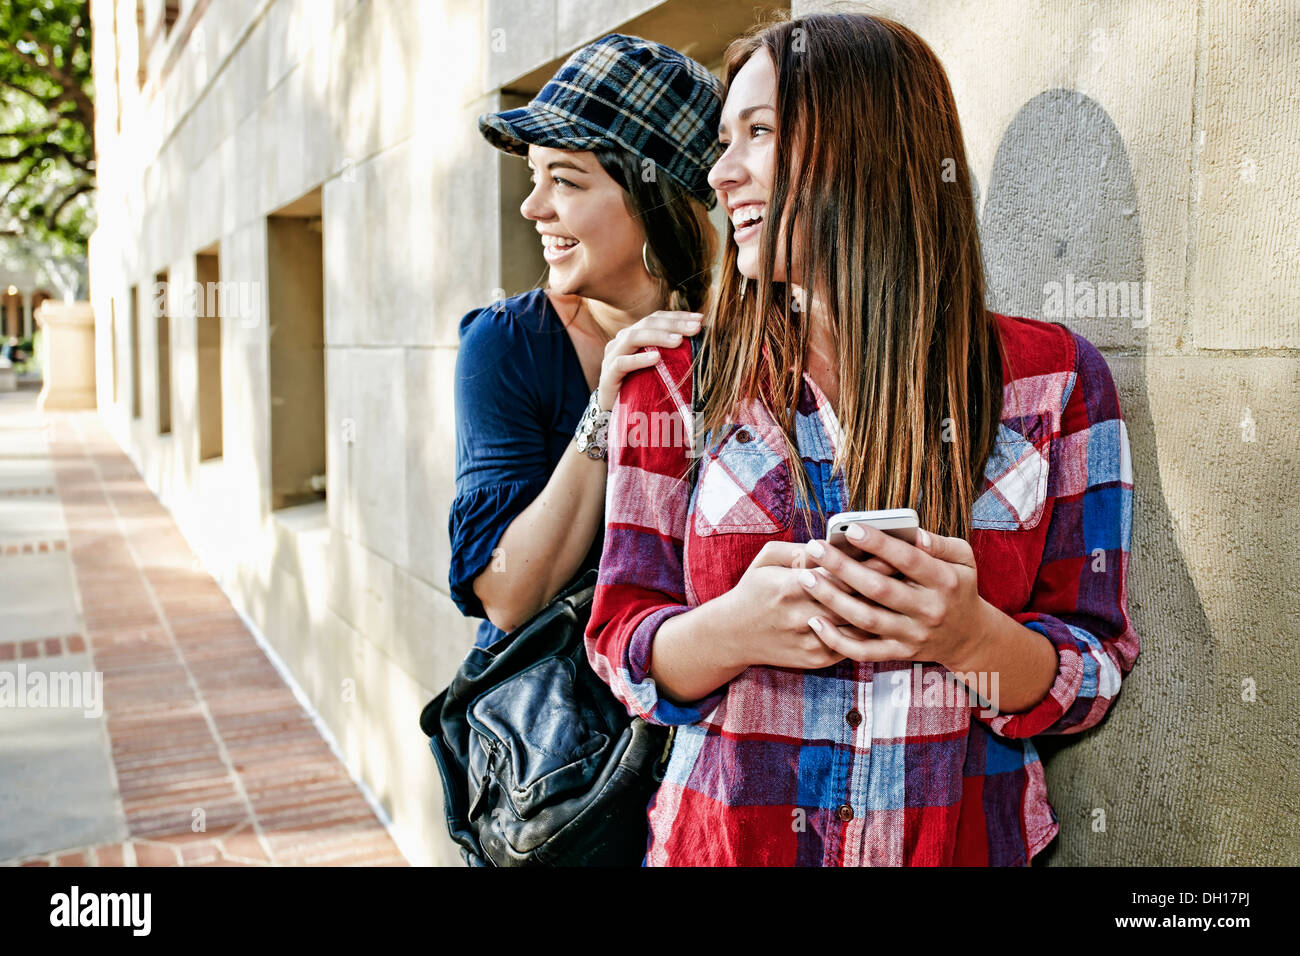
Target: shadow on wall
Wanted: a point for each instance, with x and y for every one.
(1062, 208)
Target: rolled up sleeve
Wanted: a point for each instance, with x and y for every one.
(642, 578)
(1079, 601)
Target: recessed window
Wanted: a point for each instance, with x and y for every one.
(296, 333)
(135, 351)
(208, 296)
(163, 341)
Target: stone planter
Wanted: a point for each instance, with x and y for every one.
(69, 355)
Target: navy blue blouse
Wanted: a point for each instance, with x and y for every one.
(520, 393)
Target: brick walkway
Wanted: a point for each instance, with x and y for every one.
(200, 726)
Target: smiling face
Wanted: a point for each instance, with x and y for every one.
(589, 238)
(742, 178)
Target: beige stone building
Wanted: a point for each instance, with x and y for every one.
(315, 165)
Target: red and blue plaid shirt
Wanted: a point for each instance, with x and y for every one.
(862, 764)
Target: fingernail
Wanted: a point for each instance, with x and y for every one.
(922, 537)
(815, 623)
(675, 337)
(856, 532)
(815, 549)
(807, 579)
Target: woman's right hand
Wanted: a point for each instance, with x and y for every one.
(768, 612)
(657, 330)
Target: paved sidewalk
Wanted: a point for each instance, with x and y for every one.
(201, 755)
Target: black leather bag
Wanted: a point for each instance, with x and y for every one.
(540, 763)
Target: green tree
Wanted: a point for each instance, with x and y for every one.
(47, 124)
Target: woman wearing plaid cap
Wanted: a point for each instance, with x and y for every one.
(620, 142)
(872, 704)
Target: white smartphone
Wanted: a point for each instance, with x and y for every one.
(899, 522)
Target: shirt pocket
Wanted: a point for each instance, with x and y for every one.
(1014, 492)
(744, 483)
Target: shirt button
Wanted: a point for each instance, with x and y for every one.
(744, 436)
(853, 717)
(846, 813)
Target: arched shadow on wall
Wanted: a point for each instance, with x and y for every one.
(1062, 207)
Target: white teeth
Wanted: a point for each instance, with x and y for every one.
(558, 242)
(746, 215)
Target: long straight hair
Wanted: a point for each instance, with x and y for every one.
(881, 195)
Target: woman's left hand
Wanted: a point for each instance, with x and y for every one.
(933, 613)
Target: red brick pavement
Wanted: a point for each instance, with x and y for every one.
(201, 725)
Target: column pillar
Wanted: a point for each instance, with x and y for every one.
(68, 372)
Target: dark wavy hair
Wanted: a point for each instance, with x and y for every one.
(681, 242)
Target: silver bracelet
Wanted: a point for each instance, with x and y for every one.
(592, 436)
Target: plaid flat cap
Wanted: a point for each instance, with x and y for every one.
(624, 92)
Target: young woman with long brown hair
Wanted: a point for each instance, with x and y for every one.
(871, 704)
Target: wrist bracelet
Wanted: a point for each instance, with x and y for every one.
(592, 436)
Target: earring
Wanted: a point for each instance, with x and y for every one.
(744, 281)
(645, 262)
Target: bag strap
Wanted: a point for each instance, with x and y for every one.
(696, 348)
(697, 400)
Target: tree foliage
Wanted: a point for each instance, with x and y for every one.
(47, 123)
